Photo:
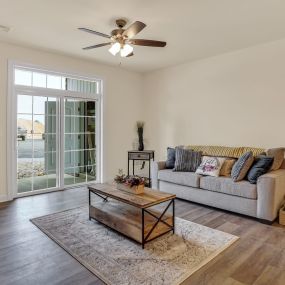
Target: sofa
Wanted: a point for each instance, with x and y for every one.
(261, 200)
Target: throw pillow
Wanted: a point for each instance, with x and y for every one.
(242, 166)
(186, 160)
(227, 167)
(210, 166)
(278, 156)
(261, 165)
(170, 161)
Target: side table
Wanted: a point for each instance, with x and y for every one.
(145, 155)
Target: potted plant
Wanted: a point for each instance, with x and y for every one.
(132, 184)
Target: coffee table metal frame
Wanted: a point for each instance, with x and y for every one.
(145, 239)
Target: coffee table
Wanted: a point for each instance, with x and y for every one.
(131, 214)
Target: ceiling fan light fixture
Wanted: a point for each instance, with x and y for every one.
(126, 50)
(122, 39)
(115, 48)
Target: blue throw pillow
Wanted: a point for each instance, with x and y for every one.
(170, 158)
(261, 165)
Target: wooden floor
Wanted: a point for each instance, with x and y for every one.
(27, 256)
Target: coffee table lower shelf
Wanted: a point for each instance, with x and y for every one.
(141, 225)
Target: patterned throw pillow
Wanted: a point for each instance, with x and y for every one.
(242, 166)
(261, 165)
(210, 166)
(186, 160)
(227, 167)
(170, 158)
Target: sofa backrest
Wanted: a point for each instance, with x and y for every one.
(226, 151)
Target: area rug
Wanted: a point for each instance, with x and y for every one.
(117, 260)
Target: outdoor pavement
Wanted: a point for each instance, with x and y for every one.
(41, 180)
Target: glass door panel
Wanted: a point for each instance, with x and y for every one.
(80, 141)
(37, 143)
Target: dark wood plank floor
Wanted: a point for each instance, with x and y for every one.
(27, 256)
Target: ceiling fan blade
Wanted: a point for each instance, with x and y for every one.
(96, 46)
(130, 54)
(134, 29)
(149, 43)
(94, 32)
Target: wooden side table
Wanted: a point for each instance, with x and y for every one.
(145, 155)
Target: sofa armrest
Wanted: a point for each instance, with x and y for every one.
(155, 167)
(270, 194)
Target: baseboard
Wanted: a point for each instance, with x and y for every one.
(5, 198)
(267, 222)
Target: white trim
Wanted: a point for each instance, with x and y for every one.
(11, 140)
(101, 135)
(54, 92)
(50, 190)
(61, 144)
(5, 198)
(36, 192)
(37, 91)
(67, 73)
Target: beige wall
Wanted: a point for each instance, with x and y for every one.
(232, 99)
(122, 96)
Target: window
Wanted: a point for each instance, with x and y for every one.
(57, 130)
(26, 77)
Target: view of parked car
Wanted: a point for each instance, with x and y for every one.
(22, 133)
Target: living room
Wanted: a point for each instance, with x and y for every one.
(200, 84)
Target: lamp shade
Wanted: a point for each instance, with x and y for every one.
(126, 50)
(115, 48)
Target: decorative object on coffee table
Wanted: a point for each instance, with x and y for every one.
(131, 214)
(144, 156)
(140, 126)
(131, 184)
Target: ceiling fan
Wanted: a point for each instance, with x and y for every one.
(121, 39)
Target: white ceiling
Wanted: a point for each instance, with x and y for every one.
(193, 29)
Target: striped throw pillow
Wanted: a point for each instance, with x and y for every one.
(242, 166)
(187, 160)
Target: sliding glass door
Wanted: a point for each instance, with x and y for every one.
(37, 143)
(55, 128)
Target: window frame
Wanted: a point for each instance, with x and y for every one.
(13, 90)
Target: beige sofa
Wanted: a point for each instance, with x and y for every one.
(262, 200)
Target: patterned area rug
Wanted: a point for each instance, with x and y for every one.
(117, 260)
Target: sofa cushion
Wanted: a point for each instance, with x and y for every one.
(170, 161)
(261, 165)
(186, 160)
(210, 165)
(228, 186)
(182, 178)
(225, 151)
(227, 167)
(278, 155)
(242, 166)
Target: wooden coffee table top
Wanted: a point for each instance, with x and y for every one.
(149, 198)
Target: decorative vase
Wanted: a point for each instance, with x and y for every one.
(140, 134)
